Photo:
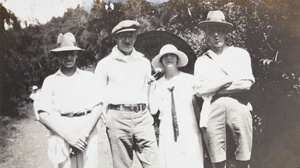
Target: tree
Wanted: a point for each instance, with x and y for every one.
(7, 43)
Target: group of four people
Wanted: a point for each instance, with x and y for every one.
(124, 92)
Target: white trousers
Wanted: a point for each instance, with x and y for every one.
(59, 149)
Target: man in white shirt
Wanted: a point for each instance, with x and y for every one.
(123, 78)
(70, 107)
(223, 75)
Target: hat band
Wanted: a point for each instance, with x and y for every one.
(216, 19)
(125, 29)
(66, 44)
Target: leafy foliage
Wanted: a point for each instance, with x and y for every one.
(25, 58)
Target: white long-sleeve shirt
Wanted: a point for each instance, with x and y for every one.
(123, 79)
(65, 94)
(234, 61)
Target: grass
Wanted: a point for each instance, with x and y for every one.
(9, 130)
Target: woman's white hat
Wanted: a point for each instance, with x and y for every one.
(216, 18)
(66, 42)
(166, 49)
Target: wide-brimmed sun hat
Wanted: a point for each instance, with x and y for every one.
(126, 26)
(167, 49)
(66, 42)
(215, 18)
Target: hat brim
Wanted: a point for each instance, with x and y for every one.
(203, 24)
(183, 59)
(67, 48)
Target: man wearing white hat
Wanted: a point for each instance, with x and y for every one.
(123, 76)
(70, 107)
(223, 75)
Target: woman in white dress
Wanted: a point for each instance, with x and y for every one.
(180, 144)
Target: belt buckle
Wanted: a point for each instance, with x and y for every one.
(85, 112)
(121, 108)
(135, 108)
(71, 115)
(138, 107)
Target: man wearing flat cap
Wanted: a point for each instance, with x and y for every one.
(223, 75)
(70, 108)
(123, 78)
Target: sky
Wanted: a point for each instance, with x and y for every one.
(41, 11)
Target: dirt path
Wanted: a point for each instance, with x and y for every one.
(28, 149)
(26, 145)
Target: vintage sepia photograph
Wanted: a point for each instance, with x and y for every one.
(149, 84)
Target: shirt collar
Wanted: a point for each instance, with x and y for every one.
(213, 54)
(117, 54)
(59, 73)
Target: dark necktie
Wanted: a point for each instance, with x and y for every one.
(174, 117)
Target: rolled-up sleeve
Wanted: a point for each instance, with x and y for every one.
(46, 96)
(244, 67)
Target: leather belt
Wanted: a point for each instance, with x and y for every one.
(128, 107)
(242, 96)
(83, 113)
